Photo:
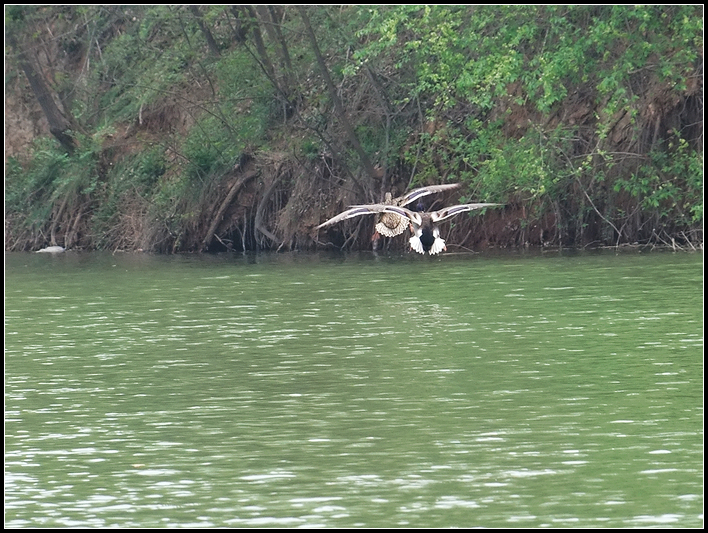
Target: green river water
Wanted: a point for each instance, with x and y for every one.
(511, 389)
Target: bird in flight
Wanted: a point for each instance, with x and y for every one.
(424, 226)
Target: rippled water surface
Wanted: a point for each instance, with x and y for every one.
(508, 390)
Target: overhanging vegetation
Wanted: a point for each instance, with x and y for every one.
(206, 128)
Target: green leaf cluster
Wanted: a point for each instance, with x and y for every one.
(520, 67)
(669, 184)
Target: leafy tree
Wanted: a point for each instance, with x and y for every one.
(584, 120)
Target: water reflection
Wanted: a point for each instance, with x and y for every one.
(294, 391)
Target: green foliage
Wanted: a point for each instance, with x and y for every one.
(670, 184)
(216, 143)
(52, 174)
(475, 52)
(310, 149)
(485, 58)
(150, 167)
(29, 188)
(51, 184)
(537, 105)
(143, 64)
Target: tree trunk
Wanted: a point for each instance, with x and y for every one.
(266, 63)
(211, 42)
(338, 107)
(235, 188)
(59, 125)
(268, 18)
(258, 223)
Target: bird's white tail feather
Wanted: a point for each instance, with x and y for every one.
(437, 247)
(416, 244)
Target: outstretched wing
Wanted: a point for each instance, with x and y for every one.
(395, 209)
(451, 211)
(352, 212)
(358, 210)
(415, 194)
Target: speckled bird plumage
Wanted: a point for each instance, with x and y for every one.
(390, 224)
